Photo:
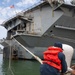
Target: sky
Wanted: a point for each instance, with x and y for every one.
(7, 11)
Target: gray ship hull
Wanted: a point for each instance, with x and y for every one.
(55, 33)
(38, 44)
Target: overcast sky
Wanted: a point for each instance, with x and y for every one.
(6, 11)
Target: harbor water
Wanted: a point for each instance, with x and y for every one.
(19, 67)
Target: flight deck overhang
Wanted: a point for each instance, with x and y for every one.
(15, 22)
(69, 6)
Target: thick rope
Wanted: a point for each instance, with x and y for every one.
(10, 61)
(9, 67)
(36, 57)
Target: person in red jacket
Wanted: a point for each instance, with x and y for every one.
(54, 62)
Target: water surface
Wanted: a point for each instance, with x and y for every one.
(20, 67)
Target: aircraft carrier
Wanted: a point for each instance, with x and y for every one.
(39, 27)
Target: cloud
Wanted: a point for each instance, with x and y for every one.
(3, 31)
(3, 34)
(23, 3)
(5, 12)
(1, 20)
(68, 1)
(8, 0)
(13, 12)
(5, 1)
(0, 8)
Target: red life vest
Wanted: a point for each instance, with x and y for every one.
(51, 57)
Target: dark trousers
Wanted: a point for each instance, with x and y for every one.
(46, 69)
